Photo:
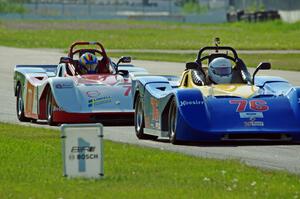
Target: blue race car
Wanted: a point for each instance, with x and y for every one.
(199, 109)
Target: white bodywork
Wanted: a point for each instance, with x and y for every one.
(76, 94)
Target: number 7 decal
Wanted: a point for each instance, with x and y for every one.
(127, 91)
(255, 105)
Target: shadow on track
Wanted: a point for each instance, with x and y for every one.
(230, 144)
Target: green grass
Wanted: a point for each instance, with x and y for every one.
(278, 61)
(124, 34)
(31, 167)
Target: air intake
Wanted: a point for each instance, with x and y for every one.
(257, 136)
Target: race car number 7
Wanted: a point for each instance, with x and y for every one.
(127, 91)
(255, 105)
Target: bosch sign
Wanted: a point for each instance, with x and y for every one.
(82, 150)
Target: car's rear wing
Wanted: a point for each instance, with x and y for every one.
(37, 66)
(174, 81)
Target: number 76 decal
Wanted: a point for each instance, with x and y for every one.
(255, 105)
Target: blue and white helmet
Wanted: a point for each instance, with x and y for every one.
(89, 61)
(220, 71)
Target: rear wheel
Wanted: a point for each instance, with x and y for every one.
(20, 105)
(173, 122)
(50, 108)
(139, 122)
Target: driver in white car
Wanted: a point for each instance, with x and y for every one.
(88, 63)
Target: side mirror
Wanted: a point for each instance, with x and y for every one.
(192, 65)
(261, 66)
(65, 60)
(124, 60)
(124, 73)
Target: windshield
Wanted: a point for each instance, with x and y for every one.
(112, 67)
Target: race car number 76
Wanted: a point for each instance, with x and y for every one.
(255, 105)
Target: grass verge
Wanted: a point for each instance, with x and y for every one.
(125, 34)
(31, 167)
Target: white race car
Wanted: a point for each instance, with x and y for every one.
(61, 94)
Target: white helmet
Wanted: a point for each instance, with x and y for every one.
(220, 71)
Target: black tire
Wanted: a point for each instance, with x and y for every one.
(139, 121)
(173, 122)
(20, 105)
(33, 121)
(50, 107)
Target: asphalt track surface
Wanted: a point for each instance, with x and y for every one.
(282, 157)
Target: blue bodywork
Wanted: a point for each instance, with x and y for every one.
(272, 114)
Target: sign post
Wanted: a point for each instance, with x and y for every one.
(82, 149)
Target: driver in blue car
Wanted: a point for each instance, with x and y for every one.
(88, 63)
(220, 71)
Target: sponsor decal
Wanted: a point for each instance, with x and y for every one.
(83, 153)
(93, 94)
(147, 121)
(251, 115)
(100, 100)
(29, 99)
(155, 112)
(190, 103)
(253, 123)
(82, 149)
(155, 122)
(64, 85)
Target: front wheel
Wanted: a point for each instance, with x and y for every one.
(20, 105)
(139, 122)
(50, 107)
(173, 122)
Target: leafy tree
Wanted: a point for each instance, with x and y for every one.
(11, 6)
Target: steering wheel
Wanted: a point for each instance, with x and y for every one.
(200, 59)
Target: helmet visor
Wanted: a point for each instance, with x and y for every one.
(222, 71)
